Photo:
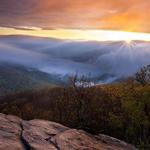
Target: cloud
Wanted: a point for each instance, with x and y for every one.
(65, 57)
(131, 15)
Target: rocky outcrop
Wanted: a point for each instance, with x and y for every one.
(17, 134)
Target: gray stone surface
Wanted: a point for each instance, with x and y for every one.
(17, 134)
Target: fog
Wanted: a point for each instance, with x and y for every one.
(64, 57)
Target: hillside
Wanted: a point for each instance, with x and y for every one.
(119, 110)
(17, 134)
(15, 78)
(104, 61)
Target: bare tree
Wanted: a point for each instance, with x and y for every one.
(79, 82)
(143, 75)
(79, 85)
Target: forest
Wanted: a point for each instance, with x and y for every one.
(121, 110)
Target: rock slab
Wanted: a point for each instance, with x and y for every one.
(17, 134)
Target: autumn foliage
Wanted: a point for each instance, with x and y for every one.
(119, 110)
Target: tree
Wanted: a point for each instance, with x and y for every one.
(143, 75)
(80, 84)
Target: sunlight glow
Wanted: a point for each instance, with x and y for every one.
(128, 41)
(75, 34)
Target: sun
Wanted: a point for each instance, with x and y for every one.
(128, 41)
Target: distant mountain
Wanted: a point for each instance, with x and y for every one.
(104, 61)
(15, 78)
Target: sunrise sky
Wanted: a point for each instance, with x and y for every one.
(77, 19)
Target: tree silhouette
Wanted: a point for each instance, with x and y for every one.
(143, 75)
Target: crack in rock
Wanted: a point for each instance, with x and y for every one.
(23, 141)
(52, 142)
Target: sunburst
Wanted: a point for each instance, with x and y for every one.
(128, 41)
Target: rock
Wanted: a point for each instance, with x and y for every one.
(10, 131)
(38, 133)
(17, 134)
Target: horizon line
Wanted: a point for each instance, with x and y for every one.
(79, 35)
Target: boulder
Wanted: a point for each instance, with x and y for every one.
(18, 134)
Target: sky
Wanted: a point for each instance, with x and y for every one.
(76, 19)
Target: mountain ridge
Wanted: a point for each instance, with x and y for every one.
(106, 62)
(15, 78)
(57, 39)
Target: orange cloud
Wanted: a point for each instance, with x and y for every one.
(129, 15)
